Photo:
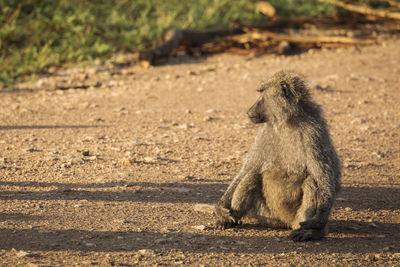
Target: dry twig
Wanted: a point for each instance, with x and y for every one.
(364, 9)
(391, 3)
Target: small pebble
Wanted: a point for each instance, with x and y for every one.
(31, 149)
(46, 232)
(379, 154)
(127, 247)
(208, 118)
(180, 189)
(184, 126)
(166, 240)
(146, 251)
(130, 184)
(149, 159)
(199, 227)
(21, 253)
(205, 208)
(211, 110)
(76, 160)
(89, 244)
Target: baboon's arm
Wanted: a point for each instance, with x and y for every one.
(250, 165)
(234, 203)
(224, 218)
(226, 199)
(250, 168)
(247, 191)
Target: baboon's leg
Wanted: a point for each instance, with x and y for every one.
(262, 213)
(308, 205)
(312, 216)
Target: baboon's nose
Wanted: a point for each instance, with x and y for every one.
(251, 112)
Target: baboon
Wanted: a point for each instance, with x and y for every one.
(291, 174)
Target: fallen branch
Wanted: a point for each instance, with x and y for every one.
(214, 41)
(176, 37)
(263, 36)
(76, 86)
(364, 9)
(390, 2)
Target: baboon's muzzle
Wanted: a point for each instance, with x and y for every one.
(256, 113)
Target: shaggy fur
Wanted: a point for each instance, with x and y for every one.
(292, 173)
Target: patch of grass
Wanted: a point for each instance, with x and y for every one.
(37, 34)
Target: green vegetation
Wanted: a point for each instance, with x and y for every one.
(37, 34)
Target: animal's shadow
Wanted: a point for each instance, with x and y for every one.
(207, 241)
(357, 198)
(343, 238)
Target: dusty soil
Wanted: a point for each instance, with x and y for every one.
(105, 165)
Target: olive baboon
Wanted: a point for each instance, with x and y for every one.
(291, 174)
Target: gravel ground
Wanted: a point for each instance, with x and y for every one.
(116, 165)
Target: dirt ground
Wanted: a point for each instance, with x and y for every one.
(106, 164)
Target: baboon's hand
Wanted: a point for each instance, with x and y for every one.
(302, 234)
(224, 218)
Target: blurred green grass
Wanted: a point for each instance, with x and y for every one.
(36, 34)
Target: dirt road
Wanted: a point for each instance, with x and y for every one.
(108, 169)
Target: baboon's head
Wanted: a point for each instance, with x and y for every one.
(282, 97)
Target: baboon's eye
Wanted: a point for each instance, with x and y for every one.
(260, 90)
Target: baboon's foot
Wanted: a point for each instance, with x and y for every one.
(302, 234)
(225, 219)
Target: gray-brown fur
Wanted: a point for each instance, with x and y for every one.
(292, 173)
